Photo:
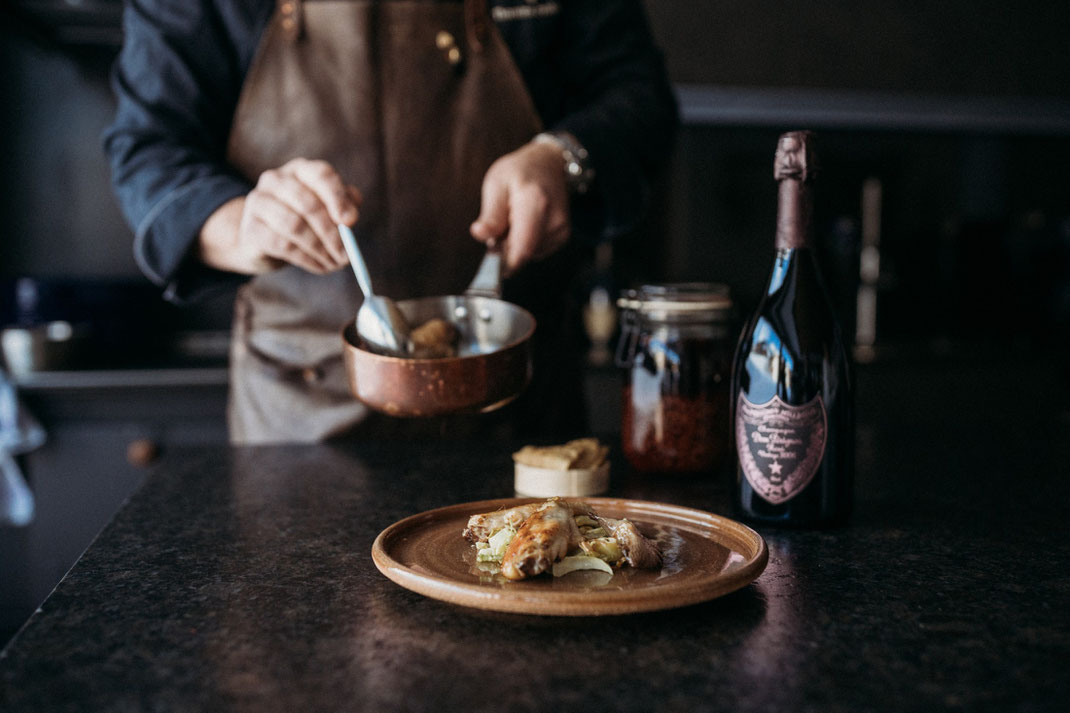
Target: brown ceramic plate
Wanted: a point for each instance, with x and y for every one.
(706, 556)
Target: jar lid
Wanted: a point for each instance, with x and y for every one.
(678, 298)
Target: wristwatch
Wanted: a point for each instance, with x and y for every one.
(578, 170)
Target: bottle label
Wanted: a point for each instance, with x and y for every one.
(780, 446)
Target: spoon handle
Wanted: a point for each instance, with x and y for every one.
(356, 259)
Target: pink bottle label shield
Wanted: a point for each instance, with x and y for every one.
(780, 446)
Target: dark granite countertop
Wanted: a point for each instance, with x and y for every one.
(241, 580)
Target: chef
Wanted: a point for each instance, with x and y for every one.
(247, 129)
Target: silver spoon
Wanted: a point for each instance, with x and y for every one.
(379, 321)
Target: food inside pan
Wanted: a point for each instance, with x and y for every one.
(436, 338)
(460, 326)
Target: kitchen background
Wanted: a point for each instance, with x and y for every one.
(944, 210)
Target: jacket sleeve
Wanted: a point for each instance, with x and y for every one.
(618, 103)
(176, 81)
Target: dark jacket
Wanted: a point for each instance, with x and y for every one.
(591, 66)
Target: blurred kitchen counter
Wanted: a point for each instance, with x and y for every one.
(104, 428)
(75, 380)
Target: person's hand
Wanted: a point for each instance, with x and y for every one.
(290, 217)
(525, 204)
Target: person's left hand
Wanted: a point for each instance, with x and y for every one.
(525, 204)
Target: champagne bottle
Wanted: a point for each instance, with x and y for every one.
(792, 404)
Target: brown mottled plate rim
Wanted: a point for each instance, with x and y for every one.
(715, 530)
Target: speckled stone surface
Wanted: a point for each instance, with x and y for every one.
(241, 580)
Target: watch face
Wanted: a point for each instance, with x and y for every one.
(578, 172)
(579, 178)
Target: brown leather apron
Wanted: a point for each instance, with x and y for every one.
(411, 101)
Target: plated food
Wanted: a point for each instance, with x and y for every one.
(558, 536)
(704, 556)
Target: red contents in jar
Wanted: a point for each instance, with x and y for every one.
(677, 356)
(671, 433)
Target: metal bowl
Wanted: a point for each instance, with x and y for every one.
(492, 366)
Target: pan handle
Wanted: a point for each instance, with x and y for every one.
(488, 279)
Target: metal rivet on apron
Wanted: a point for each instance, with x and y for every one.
(454, 56)
(444, 40)
(291, 17)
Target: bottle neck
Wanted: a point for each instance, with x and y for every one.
(781, 266)
(794, 210)
(787, 265)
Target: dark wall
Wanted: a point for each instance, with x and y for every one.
(58, 214)
(59, 221)
(983, 47)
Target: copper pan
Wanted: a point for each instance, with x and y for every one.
(492, 366)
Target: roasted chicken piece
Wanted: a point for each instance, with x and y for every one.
(548, 531)
(481, 527)
(545, 537)
(638, 551)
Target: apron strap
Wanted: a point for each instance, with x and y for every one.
(476, 15)
(477, 20)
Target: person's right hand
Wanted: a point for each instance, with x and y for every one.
(290, 217)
